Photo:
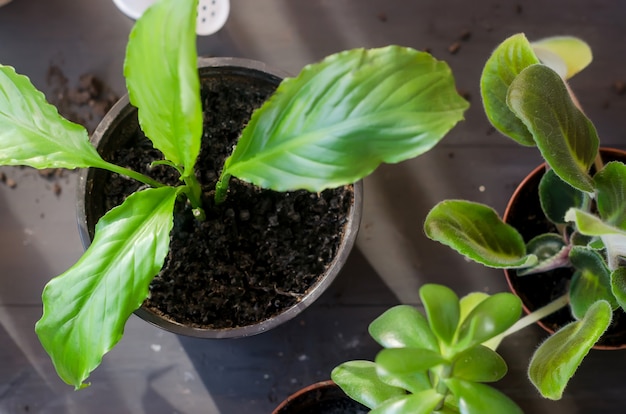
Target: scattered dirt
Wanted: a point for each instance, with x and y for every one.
(619, 87)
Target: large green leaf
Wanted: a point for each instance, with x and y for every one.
(477, 232)
(610, 185)
(556, 360)
(401, 361)
(33, 133)
(86, 307)
(422, 403)
(567, 55)
(479, 364)
(339, 119)
(505, 63)
(476, 398)
(359, 380)
(556, 197)
(162, 79)
(442, 309)
(591, 281)
(403, 326)
(567, 139)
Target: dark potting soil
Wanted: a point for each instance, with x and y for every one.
(323, 400)
(540, 289)
(257, 253)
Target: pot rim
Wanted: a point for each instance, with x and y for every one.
(302, 391)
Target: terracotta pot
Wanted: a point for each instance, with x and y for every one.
(540, 289)
(121, 125)
(323, 397)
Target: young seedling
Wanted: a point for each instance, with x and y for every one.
(329, 126)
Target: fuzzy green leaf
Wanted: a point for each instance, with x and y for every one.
(359, 380)
(556, 197)
(33, 133)
(591, 281)
(403, 326)
(551, 252)
(339, 119)
(479, 364)
(477, 232)
(558, 358)
(505, 63)
(566, 55)
(162, 79)
(610, 185)
(568, 141)
(422, 403)
(476, 398)
(618, 286)
(402, 361)
(86, 308)
(442, 309)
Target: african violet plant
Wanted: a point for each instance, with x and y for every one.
(331, 125)
(528, 101)
(438, 362)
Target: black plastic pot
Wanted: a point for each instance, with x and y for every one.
(525, 214)
(320, 398)
(121, 124)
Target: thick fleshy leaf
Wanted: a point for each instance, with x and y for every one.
(568, 141)
(162, 79)
(33, 133)
(442, 309)
(558, 358)
(422, 403)
(359, 380)
(468, 303)
(340, 118)
(479, 364)
(566, 55)
(618, 286)
(489, 318)
(477, 232)
(476, 398)
(86, 308)
(551, 252)
(402, 361)
(556, 197)
(591, 281)
(505, 63)
(610, 185)
(413, 382)
(403, 326)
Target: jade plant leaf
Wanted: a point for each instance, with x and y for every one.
(403, 326)
(477, 398)
(359, 380)
(567, 139)
(340, 118)
(442, 309)
(170, 114)
(86, 308)
(422, 403)
(477, 232)
(33, 133)
(591, 281)
(479, 364)
(567, 55)
(505, 63)
(610, 185)
(401, 361)
(468, 303)
(558, 358)
(618, 286)
(413, 382)
(551, 252)
(556, 197)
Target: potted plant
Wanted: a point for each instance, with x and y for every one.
(328, 127)
(580, 225)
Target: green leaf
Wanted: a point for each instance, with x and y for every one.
(479, 364)
(468, 303)
(402, 361)
(610, 185)
(339, 119)
(442, 309)
(489, 318)
(477, 232)
(551, 252)
(556, 360)
(568, 141)
(162, 79)
(505, 63)
(33, 133)
(476, 398)
(403, 326)
(566, 55)
(556, 197)
(359, 380)
(422, 403)
(618, 286)
(591, 281)
(86, 308)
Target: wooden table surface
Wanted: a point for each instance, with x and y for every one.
(156, 372)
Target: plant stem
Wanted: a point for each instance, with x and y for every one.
(221, 188)
(131, 174)
(537, 315)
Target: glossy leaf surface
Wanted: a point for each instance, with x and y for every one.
(568, 141)
(86, 308)
(505, 63)
(477, 232)
(403, 361)
(442, 309)
(591, 281)
(610, 185)
(340, 118)
(423, 403)
(162, 79)
(558, 358)
(33, 133)
(403, 326)
(359, 380)
(476, 398)
(567, 55)
(479, 364)
(556, 197)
